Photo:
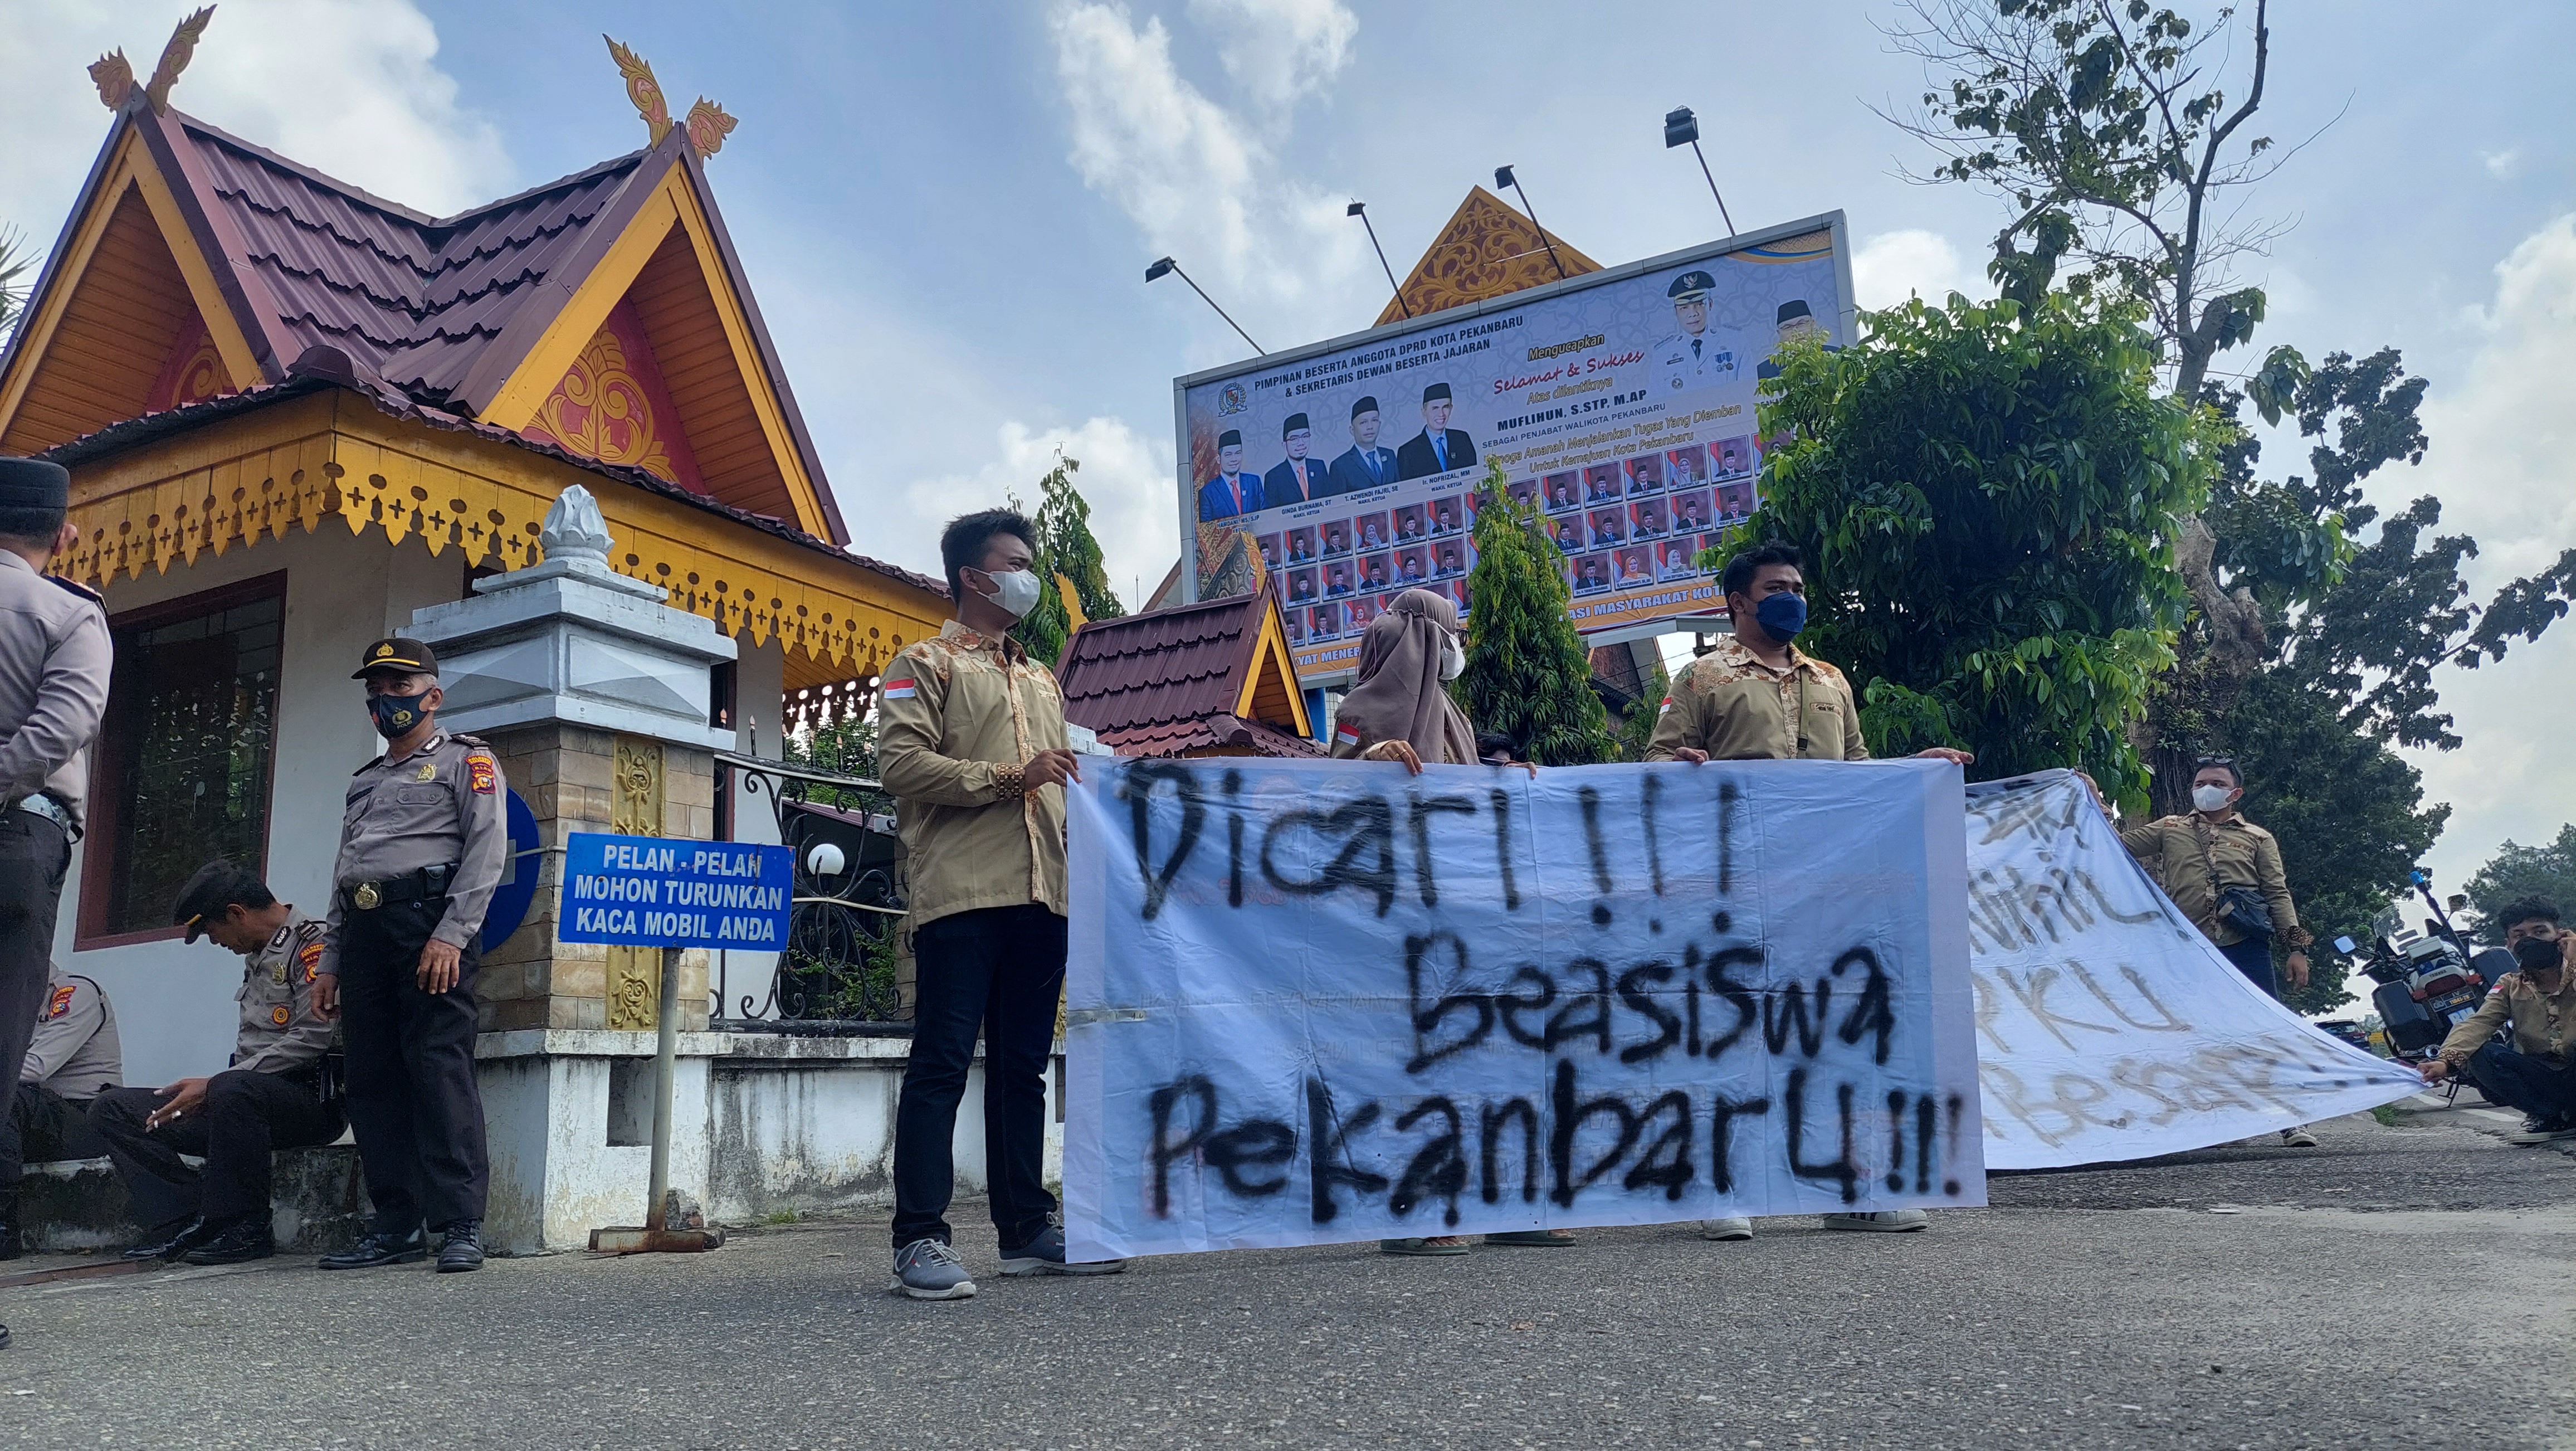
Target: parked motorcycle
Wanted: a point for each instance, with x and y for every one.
(2428, 982)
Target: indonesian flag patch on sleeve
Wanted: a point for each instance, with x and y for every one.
(898, 689)
(1346, 735)
(1667, 705)
(482, 774)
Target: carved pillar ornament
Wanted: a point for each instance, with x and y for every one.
(574, 529)
(635, 809)
(706, 123)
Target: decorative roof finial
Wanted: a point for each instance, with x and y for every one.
(113, 74)
(642, 89)
(707, 124)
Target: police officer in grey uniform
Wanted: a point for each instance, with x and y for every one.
(276, 1094)
(423, 843)
(54, 659)
(74, 1057)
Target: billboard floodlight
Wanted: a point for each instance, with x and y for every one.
(1162, 265)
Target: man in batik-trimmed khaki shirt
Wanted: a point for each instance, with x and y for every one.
(1756, 697)
(971, 741)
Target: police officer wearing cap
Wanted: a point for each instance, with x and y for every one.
(1296, 478)
(1438, 448)
(54, 659)
(277, 1094)
(423, 843)
(1691, 358)
(1234, 490)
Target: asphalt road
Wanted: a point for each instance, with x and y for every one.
(2407, 1285)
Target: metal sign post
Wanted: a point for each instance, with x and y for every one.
(645, 891)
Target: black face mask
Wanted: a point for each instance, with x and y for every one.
(395, 714)
(2537, 954)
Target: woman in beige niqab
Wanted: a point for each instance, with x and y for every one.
(1400, 708)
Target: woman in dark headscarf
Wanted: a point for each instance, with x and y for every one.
(1400, 710)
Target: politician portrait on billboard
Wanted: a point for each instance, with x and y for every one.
(1621, 403)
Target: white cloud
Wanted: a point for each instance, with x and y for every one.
(350, 87)
(2503, 462)
(2502, 165)
(1893, 266)
(1278, 51)
(1125, 476)
(1190, 173)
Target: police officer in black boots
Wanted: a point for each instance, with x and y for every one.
(423, 843)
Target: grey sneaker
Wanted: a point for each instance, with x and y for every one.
(927, 1269)
(1044, 1255)
(2298, 1138)
(2549, 1132)
(1734, 1226)
(1885, 1221)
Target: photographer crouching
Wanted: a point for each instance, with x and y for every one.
(2534, 1072)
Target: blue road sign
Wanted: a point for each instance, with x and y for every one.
(510, 900)
(655, 891)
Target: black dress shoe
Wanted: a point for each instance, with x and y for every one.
(245, 1239)
(4, 1337)
(192, 1234)
(379, 1248)
(462, 1250)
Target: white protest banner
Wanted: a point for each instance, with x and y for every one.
(1318, 1001)
(2108, 1027)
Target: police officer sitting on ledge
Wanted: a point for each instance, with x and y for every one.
(274, 1096)
(74, 1058)
(423, 843)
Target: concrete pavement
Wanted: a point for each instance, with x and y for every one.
(2364, 1294)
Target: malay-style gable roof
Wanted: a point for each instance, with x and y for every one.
(1486, 250)
(198, 263)
(1211, 678)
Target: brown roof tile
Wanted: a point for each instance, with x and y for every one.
(1166, 681)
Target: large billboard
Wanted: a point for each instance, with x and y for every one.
(1621, 401)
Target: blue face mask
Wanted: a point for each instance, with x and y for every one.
(1782, 615)
(395, 714)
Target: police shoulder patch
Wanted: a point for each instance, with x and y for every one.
(60, 1003)
(310, 959)
(482, 773)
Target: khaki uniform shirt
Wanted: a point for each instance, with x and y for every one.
(1731, 705)
(54, 662)
(2542, 1022)
(956, 717)
(75, 1052)
(2246, 855)
(440, 804)
(279, 1031)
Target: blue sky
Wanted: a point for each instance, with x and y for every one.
(946, 210)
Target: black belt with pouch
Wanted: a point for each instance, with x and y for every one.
(429, 884)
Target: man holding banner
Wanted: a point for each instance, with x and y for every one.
(971, 742)
(1757, 697)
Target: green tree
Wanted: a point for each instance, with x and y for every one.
(1528, 674)
(2515, 871)
(1637, 729)
(1984, 495)
(18, 260)
(1065, 549)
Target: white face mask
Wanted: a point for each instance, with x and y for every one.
(2209, 798)
(1453, 661)
(1015, 591)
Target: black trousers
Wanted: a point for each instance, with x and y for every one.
(2253, 957)
(42, 1125)
(411, 1094)
(999, 971)
(245, 1116)
(34, 853)
(2525, 1081)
